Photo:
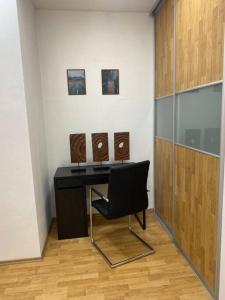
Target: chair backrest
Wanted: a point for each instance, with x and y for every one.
(127, 190)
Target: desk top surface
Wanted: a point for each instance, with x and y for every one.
(84, 171)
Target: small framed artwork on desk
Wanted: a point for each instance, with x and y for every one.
(76, 82)
(110, 82)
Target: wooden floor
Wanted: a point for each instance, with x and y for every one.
(72, 269)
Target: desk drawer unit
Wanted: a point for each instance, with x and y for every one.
(71, 212)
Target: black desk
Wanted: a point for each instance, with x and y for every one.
(70, 196)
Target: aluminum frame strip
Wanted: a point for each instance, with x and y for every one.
(199, 87)
(221, 188)
(198, 150)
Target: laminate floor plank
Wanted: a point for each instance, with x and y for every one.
(73, 269)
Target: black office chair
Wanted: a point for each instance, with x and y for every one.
(127, 195)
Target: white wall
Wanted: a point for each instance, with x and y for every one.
(32, 81)
(94, 41)
(18, 220)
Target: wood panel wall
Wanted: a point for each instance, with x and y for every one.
(164, 49)
(199, 42)
(164, 180)
(196, 206)
(199, 60)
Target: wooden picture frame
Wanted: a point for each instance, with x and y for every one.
(100, 147)
(122, 146)
(78, 147)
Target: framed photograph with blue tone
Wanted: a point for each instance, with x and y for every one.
(76, 82)
(110, 82)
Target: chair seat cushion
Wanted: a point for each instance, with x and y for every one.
(101, 206)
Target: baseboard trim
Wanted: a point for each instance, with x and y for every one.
(164, 225)
(31, 259)
(20, 261)
(39, 258)
(46, 240)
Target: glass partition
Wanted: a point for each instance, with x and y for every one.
(198, 117)
(164, 118)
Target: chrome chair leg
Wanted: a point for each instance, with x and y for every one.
(90, 214)
(138, 237)
(91, 230)
(124, 261)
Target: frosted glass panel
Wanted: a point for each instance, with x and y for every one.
(198, 116)
(164, 118)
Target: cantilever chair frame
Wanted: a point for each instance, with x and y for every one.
(108, 261)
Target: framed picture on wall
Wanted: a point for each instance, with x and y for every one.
(76, 82)
(110, 82)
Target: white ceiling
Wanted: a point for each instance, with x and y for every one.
(97, 5)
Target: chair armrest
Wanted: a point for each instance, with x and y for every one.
(99, 194)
